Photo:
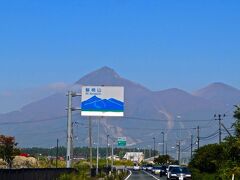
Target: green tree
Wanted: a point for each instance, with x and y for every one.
(236, 125)
(223, 159)
(232, 149)
(8, 149)
(232, 144)
(163, 159)
(208, 158)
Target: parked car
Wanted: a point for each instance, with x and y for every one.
(179, 173)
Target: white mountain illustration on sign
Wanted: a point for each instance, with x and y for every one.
(97, 104)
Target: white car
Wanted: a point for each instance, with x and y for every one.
(180, 173)
(156, 170)
(136, 167)
(169, 168)
(149, 167)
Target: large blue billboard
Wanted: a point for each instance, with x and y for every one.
(102, 101)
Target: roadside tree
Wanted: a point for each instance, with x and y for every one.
(8, 149)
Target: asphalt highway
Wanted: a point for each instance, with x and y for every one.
(144, 175)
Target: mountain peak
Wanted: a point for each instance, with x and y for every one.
(172, 91)
(106, 68)
(220, 93)
(219, 85)
(216, 86)
(103, 74)
(105, 71)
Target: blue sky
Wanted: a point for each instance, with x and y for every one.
(158, 43)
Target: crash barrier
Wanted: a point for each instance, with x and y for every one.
(34, 173)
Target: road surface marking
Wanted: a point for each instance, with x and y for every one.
(129, 175)
(151, 175)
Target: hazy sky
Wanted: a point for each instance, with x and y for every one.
(158, 43)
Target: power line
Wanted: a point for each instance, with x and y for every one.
(157, 129)
(37, 133)
(210, 138)
(34, 121)
(165, 120)
(219, 118)
(213, 134)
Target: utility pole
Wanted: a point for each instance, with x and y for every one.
(144, 152)
(163, 143)
(166, 149)
(112, 156)
(69, 129)
(107, 150)
(191, 145)
(154, 147)
(178, 145)
(57, 155)
(71, 152)
(98, 147)
(149, 151)
(90, 140)
(219, 118)
(198, 138)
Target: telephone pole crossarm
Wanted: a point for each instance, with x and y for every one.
(219, 119)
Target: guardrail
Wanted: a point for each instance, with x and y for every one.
(34, 173)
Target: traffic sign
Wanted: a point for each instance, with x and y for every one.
(122, 141)
(102, 101)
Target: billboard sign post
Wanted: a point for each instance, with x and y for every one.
(102, 101)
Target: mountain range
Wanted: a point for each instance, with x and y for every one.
(146, 114)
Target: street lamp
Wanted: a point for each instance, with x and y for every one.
(112, 155)
(149, 151)
(159, 148)
(178, 150)
(154, 147)
(107, 150)
(173, 151)
(163, 142)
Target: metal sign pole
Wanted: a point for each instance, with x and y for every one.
(90, 140)
(97, 148)
(112, 156)
(69, 129)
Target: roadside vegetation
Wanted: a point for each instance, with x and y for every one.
(165, 159)
(219, 161)
(8, 149)
(83, 168)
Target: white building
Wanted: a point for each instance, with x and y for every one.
(115, 157)
(134, 156)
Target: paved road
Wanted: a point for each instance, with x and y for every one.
(142, 175)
